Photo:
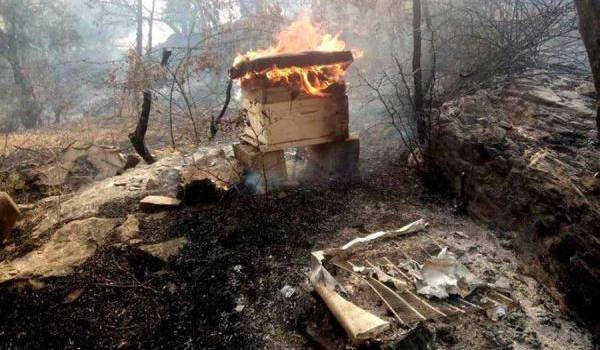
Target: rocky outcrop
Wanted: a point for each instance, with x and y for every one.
(524, 159)
(68, 247)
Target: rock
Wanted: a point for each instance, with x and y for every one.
(9, 213)
(151, 185)
(165, 250)
(131, 161)
(135, 241)
(74, 295)
(151, 203)
(87, 203)
(102, 161)
(129, 230)
(210, 175)
(69, 247)
(537, 178)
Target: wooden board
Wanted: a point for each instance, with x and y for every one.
(300, 59)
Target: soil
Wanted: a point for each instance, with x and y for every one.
(223, 290)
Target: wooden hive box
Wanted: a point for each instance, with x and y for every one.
(279, 118)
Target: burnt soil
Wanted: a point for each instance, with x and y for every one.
(223, 290)
(130, 300)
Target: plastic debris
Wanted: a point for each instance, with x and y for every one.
(444, 275)
(497, 312)
(288, 291)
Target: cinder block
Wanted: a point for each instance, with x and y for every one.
(335, 158)
(269, 164)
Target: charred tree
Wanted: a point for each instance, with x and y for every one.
(417, 73)
(137, 137)
(589, 27)
(214, 123)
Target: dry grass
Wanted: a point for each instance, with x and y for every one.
(61, 137)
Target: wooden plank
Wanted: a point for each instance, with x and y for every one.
(300, 59)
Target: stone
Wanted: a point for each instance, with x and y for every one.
(105, 161)
(151, 185)
(129, 230)
(9, 214)
(210, 176)
(150, 203)
(69, 247)
(131, 161)
(166, 250)
(335, 158)
(538, 178)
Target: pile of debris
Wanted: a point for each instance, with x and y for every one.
(413, 283)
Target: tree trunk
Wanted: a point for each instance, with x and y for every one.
(139, 34)
(417, 72)
(150, 25)
(589, 27)
(30, 109)
(57, 114)
(137, 137)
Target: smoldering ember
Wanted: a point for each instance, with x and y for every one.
(290, 174)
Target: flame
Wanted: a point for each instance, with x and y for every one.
(301, 35)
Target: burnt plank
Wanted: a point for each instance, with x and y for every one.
(300, 59)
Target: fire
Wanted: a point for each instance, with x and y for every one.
(301, 35)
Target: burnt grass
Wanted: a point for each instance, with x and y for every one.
(132, 300)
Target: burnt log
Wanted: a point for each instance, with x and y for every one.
(301, 59)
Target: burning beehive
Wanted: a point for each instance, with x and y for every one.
(294, 92)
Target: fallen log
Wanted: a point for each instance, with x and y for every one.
(286, 60)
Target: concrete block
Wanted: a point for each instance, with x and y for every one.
(335, 158)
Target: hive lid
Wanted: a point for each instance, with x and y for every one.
(285, 60)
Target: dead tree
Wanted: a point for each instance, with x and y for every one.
(137, 137)
(589, 27)
(417, 72)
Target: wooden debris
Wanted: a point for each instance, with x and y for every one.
(150, 203)
(358, 323)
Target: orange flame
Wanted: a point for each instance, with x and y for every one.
(301, 35)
